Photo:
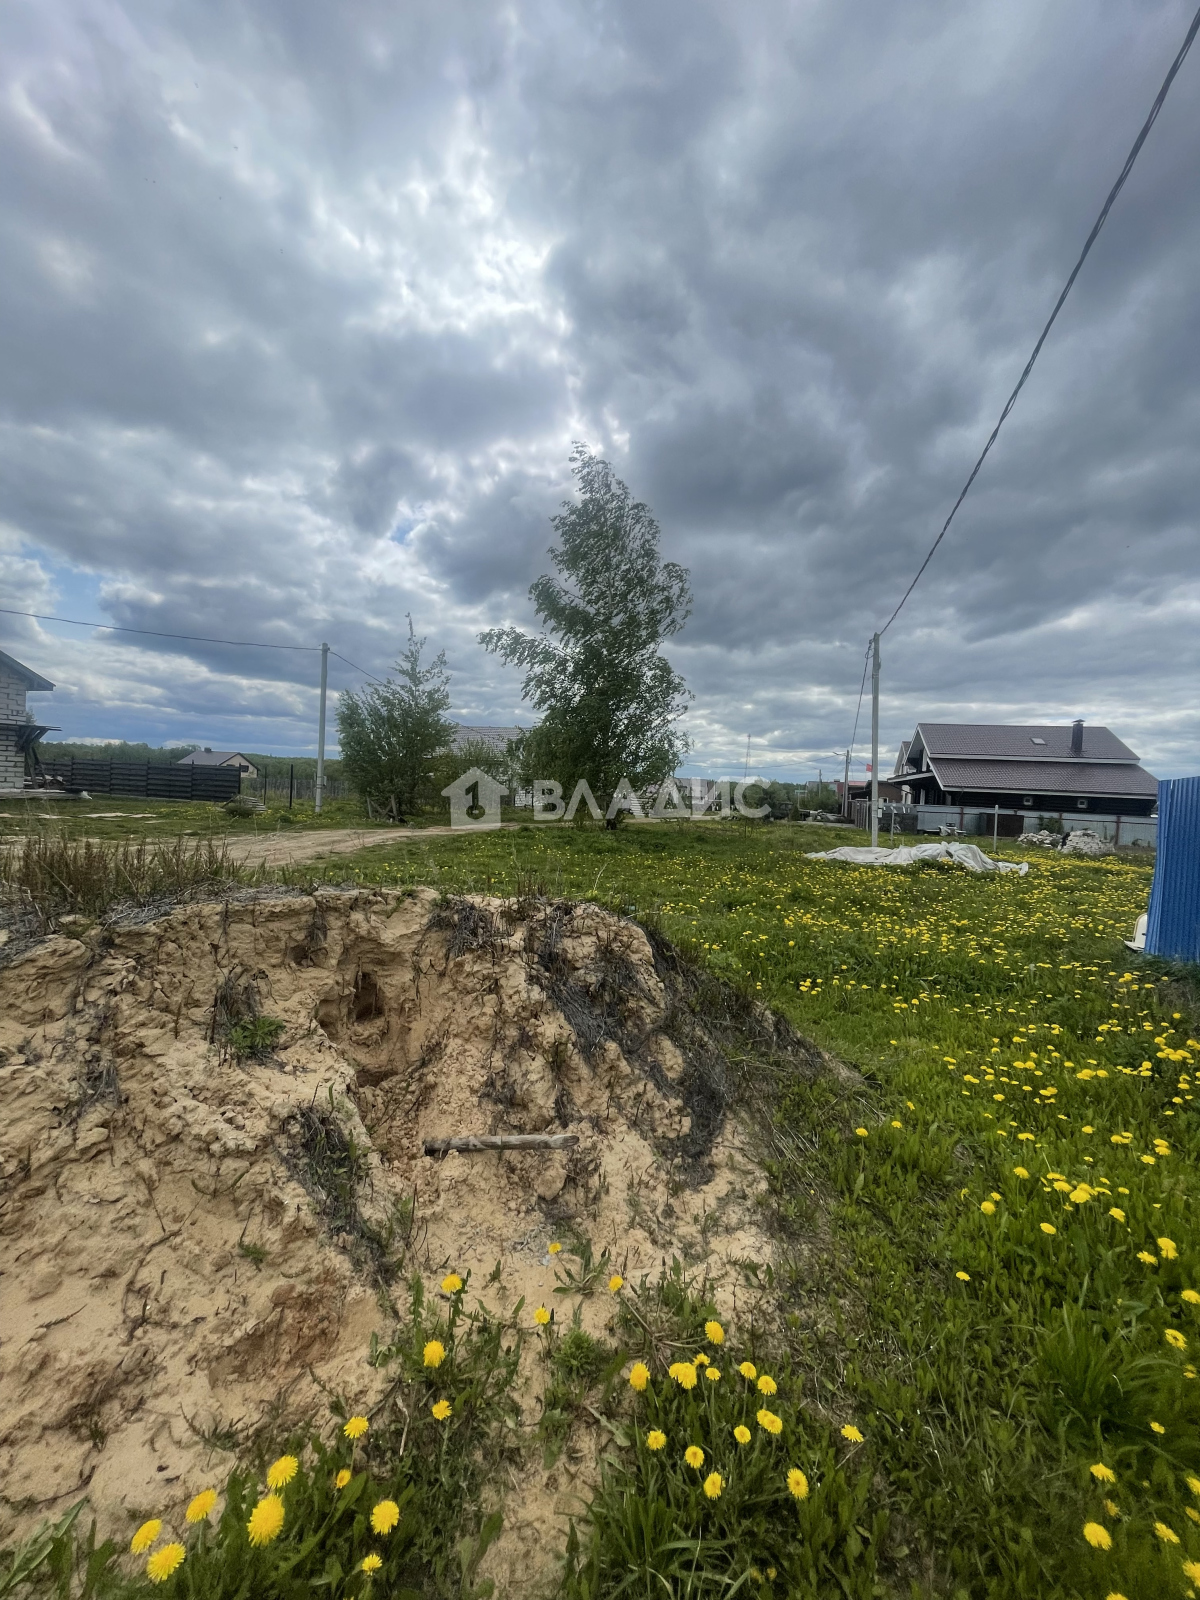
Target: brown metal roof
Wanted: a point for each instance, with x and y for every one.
(1014, 741)
(1078, 777)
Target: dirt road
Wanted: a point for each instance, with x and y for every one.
(283, 849)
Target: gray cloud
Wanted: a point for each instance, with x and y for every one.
(303, 310)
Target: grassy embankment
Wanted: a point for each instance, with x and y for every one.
(995, 1246)
(987, 1260)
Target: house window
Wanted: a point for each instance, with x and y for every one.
(1028, 800)
(1082, 804)
(1034, 740)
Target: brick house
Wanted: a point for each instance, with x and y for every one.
(18, 731)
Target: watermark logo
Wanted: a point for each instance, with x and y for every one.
(475, 800)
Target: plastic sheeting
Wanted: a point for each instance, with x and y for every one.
(964, 855)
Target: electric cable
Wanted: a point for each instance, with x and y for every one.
(191, 638)
(155, 633)
(1058, 305)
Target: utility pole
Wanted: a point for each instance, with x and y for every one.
(874, 740)
(320, 784)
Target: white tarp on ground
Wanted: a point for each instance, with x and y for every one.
(966, 855)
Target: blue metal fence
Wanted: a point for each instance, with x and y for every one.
(1173, 925)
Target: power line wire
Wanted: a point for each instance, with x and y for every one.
(191, 638)
(154, 633)
(1058, 305)
(363, 670)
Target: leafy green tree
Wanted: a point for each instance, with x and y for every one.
(391, 733)
(609, 699)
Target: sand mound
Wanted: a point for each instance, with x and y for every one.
(190, 1240)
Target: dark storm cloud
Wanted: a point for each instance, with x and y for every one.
(303, 309)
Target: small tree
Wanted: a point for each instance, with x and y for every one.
(609, 699)
(391, 733)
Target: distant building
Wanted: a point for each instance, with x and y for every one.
(498, 738)
(18, 731)
(220, 758)
(1041, 768)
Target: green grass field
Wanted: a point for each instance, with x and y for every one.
(989, 1250)
(986, 1288)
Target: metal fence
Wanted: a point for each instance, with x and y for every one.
(146, 780)
(987, 823)
(1173, 924)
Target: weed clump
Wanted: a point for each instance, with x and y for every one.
(57, 876)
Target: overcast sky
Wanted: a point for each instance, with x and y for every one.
(303, 306)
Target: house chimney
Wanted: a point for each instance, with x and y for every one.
(1077, 737)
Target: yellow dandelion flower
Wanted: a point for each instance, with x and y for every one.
(1192, 1298)
(1144, 1255)
(371, 1563)
(748, 1370)
(441, 1409)
(767, 1385)
(1175, 1339)
(1191, 1571)
(281, 1472)
(1114, 1595)
(1115, 1211)
(741, 1433)
(861, 1132)
(851, 1432)
(655, 1439)
(1193, 1484)
(713, 1374)
(1112, 1508)
(1103, 1474)
(797, 1484)
(451, 1283)
(684, 1374)
(639, 1376)
(355, 1427)
(713, 1485)
(554, 1248)
(1167, 1535)
(694, 1456)
(963, 1277)
(385, 1516)
(342, 1479)
(616, 1283)
(266, 1520)
(434, 1353)
(1097, 1535)
(1021, 1172)
(987, 1208)
(769, 1421)
(541, 1316)
(164, 1562)
(1168, 1249)
(199, 1508)
(146, 1535)
(1048, 1227)
(700, 1361)
(1157, 1427)
(714, 1333)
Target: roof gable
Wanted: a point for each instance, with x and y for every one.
(30, 678)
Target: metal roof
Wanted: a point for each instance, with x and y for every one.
(212, 758)
(497, 737)
(30, 678)
(1016, 741)
(1078, 777)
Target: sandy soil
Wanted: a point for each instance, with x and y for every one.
(167, 1267)
(284, 848)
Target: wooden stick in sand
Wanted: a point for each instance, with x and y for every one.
(502, 1141)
